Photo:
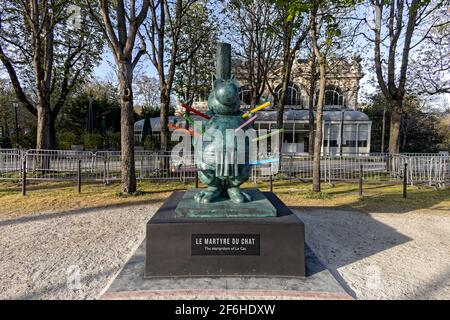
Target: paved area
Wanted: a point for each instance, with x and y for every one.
(68, 255)
(384, 255)
(76, 254)
(319, 283)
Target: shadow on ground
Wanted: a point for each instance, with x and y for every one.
(382, 202)
(53, 215)
(341, 238)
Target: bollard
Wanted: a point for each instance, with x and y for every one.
(24, 176)
(405, 180)
(360, 180)
(79, 176)
(196, 179)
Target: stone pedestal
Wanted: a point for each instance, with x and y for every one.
(224, 246)
(260, 206)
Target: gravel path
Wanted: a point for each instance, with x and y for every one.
(384, 255)
(378, 256)
(42, 255)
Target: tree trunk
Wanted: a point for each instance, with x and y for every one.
(405, 132)
(52, 133)
(164, 119)
(127, 166)
(311, 131)
(280, 113)
(312, 89)
(44, 123)
(396, 117)
(383, 129)
(318, 135)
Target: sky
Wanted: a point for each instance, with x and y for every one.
(105, 70)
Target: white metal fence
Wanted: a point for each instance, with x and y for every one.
(432, 169)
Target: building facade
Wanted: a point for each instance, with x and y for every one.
(346, 130)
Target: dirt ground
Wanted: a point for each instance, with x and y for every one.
(374, 255)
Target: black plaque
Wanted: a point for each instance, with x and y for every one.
(212, 244)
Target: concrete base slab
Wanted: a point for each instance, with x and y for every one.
(319, 283)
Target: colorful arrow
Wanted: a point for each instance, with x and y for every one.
(267, 135)
(192, 133)
(201, 114)
(246, 123)
(254, 110)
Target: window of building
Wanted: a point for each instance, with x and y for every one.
(288, 137)
(363, 135)
(293, 96)
(332, 143)
(349, 135)
(245, 95)
(334, 97)
(331, 135)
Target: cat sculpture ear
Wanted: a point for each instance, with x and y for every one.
(213, 79)
(235, 82)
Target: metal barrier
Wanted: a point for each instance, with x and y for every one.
(11, 164)
(430, 169)
(332, 168)
(59, 164)
(433, 169)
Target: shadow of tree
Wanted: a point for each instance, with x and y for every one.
(381, 201)
(432, 286)
(340, 238)
(356, 235)
(61, 214)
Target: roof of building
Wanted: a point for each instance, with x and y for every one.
(139, 125)
(303, 115)
(289, 115)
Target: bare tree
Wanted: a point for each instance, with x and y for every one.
(147, 91)
(321, 60)
(249, 25)
(402, 21)
(120, 23)
(313, 75)
(291, 30)
(429, 72)
(46, 57)
(193, 77)
(324, 32)
(163, 30)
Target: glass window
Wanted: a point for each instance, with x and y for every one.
(363, 135)
(335, 132)
(293, 96)
(287, 137)
(246, 95)
(349, 135)
(334, 97)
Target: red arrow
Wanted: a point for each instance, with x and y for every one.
(201, 114)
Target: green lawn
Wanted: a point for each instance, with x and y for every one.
(57, 196)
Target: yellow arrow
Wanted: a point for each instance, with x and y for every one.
(264, 105)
